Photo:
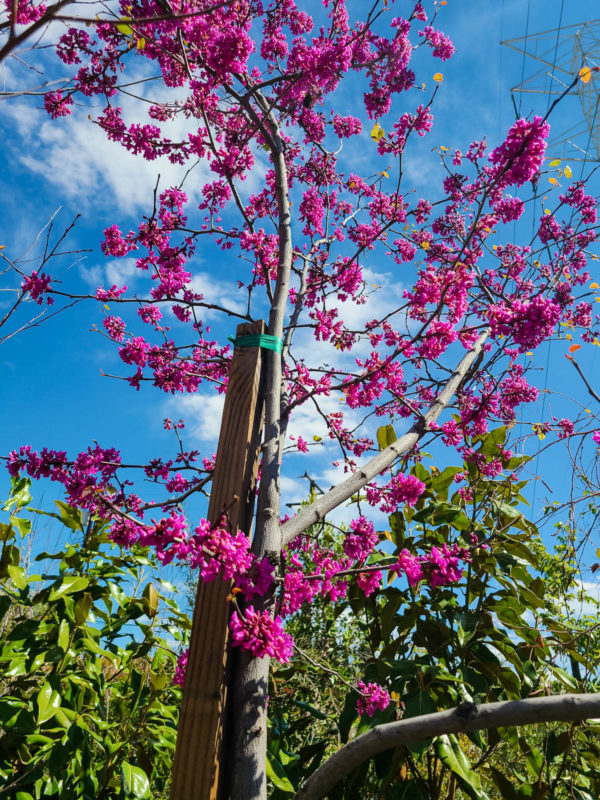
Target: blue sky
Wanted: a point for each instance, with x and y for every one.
(54, 393)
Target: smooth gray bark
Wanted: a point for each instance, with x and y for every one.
(464, 718)
(249, 781)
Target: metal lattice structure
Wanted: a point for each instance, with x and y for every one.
(561, 53)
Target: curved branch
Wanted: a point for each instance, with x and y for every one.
(464, 718)
(314, 512)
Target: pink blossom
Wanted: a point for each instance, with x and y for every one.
(37, 284)
(57, 104)
(261, 634)
(179, 677)
(373, 698)
(521, 155)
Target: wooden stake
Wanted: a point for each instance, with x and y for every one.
(198, 769)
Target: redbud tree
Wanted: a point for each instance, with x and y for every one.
(291, 98)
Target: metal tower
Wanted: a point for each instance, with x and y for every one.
(561, 53)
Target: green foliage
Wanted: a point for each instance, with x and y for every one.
(88, 708)
(498, 634)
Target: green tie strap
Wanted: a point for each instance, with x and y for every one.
(258, 340)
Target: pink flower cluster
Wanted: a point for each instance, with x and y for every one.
(179, 677)
(37, 285)
(373, 697)
(520, 156)
(261, 634)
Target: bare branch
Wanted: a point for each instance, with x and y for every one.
(314, 512)
(466, 717)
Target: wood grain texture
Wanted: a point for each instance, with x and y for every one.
(198, 772)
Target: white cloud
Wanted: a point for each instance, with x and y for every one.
(119, 272)
(202, 414)
(223, 293)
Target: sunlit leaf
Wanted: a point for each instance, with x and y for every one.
(127, 30)
(425, 245)
(552, 180)
(276, 773)
(585, 73)
(594, 285)
(555, 163)
(568, 173)
(377, 132)
(438, 77)
(574, 347)
(134, 782)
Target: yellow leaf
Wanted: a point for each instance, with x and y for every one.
(377, 132)
(555, 163)
(2, 246)
(585, 73)
(530, 353)
(593, 285)
(141, 43)
(425, 245)
(351, 185)
(384, 173)
(444, 148)
(552, 180)
(547, 211)
(125, 29)
(317, 438)
(106, 307)
(569, 336)
(568, 173)
(385, 436)
(438, 77)
(587, 411)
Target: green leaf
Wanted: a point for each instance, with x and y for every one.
(311, 709)
(17, 576)
(82, 608)
(47, 701)
(19, 495)
(134, 782)
(276, 774)
(150, 598)
(125, 29)
(386, 435)
(451, 755)
(22, 525)
(348, 715)
(69, 585)
(63, 634)
(70, 517)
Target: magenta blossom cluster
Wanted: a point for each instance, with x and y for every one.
(38, 285)
(373, 698)
(179, 677)
(261, 634)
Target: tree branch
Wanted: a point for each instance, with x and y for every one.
(464, 718)
(317, 510)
